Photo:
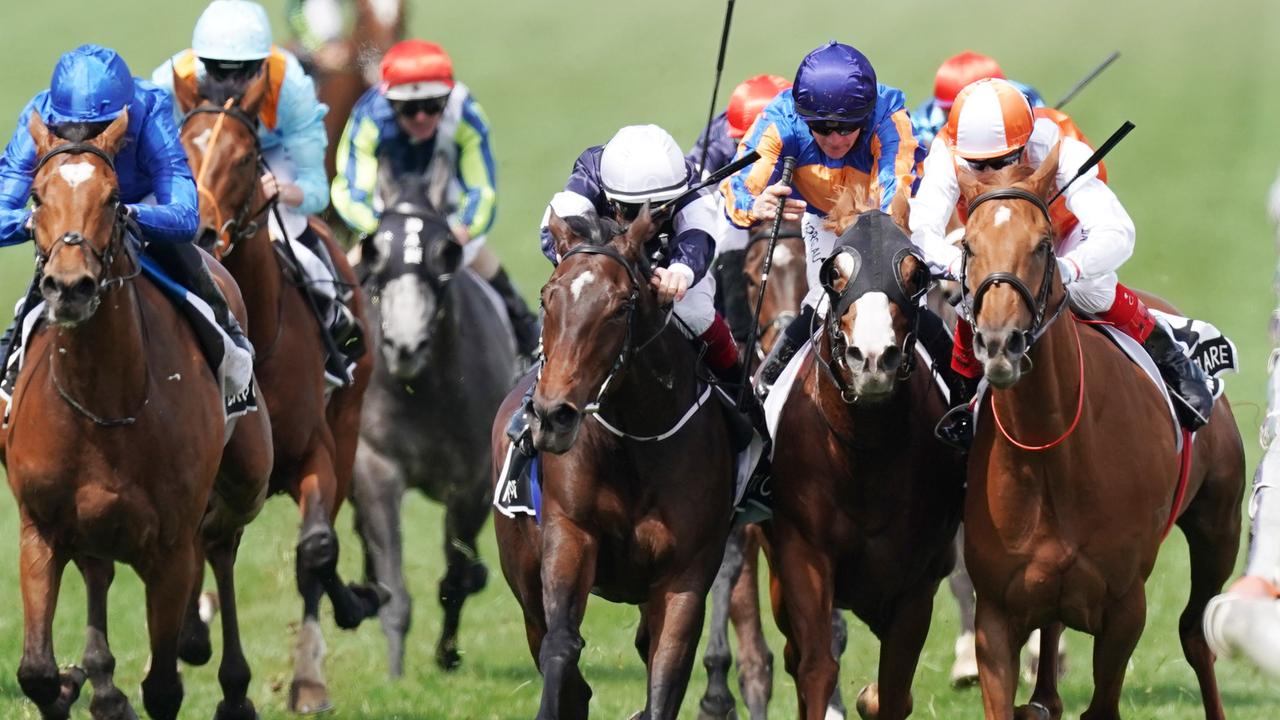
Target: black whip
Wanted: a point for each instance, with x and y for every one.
(788, 165)
(1086, 80)
(1096, 157)
(715, 88)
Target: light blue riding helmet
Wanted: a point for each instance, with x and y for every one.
(89, 84)
(232, 30)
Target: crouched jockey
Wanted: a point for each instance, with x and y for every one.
(231, 46)
(991, 126)
(643, 165)
(90, 87)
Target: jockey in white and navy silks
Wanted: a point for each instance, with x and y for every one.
(91, 86)
(843, 128)
(953, 75)
(230, 47)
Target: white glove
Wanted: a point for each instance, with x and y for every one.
(1068, 270)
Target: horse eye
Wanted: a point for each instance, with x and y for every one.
(244, 160)
(35, 200)
(1044, 247)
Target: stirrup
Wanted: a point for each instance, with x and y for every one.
(955, 429)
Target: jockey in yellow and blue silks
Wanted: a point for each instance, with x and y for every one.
(230, 46)
(92, 86)
(844, 129)
(420, 122)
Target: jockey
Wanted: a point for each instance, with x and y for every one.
(746, 103)
(231, 46)
(422, 122)
(991, 126)
(843, 128)
(953, 75)
(90, 87)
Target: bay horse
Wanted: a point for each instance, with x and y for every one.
(314, 430)
(445, 360)
(1066, 509)
(115, 442)
(636, 473)
(866, 499)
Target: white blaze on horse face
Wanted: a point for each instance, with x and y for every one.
(76, 173)
(580, 282)
(782, 255)
(407, 307)
(1002, 216)
(385, 10)
(873, 325)
(201, 141)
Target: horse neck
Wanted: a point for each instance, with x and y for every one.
(661, 373)
(1042, 404)
(104, 358)
(254, 266)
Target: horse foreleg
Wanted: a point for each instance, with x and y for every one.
(233, 674)
(675, 613)
(964, 671)
(465, 573)
(377, 493)
(168, 587)
(1112, 648)
(41, 577)
(317, 549)
(568, 572)
(839, 641)
(901, 641)
(717, 702)
(98, 662)
(194, 647)
(804, 573)
(755, 660)
(996, 646)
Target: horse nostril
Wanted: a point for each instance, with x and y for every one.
(563, 416)
(856, 356)
(83, 289)
(1017, 344)
(891, 359)
(48, 286)
(979, 341)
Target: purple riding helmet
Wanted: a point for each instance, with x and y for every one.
(835, 83)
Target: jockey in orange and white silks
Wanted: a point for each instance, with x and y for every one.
(991, 126)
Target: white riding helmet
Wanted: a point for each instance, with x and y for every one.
(233, 30)
(643, 162)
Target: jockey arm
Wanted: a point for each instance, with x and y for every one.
(175, 216)
(893, 148)
(16, 166)
(741, 190)
(1108, 230)
(301, 123)
(582, 194)
(694, 244)
(478, 204)
(931, 209)
(355, 183)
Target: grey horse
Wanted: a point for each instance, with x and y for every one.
(446, 357)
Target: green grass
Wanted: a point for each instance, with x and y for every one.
(1197, 79)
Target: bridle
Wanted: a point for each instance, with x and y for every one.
(244, 224)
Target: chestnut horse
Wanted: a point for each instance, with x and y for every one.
(637, 500)
(866, 499)
(1066, 509)
(314, 434)
(114, 444)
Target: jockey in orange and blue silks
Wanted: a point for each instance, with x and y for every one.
(91, 87)
(843, 128)
(992, 126)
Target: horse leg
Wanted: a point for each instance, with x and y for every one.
(465, 573)
(717, 702)
(108, 703)
(168, 587)
(996, 646)
(320, 486)
(194, 647)
(317, 548)
(755, 660)
(377, 494)
(964, 672)
(901, 641)
(568, 572)
(839, 641)
(41, 577)
(233, 673)
(675, 613)
(804, 574)
(1048, 671)
(1112, 648)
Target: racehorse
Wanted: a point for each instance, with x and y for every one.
(447, 360)
(1066, 509)
(314, 434)
(636, 472)
(114, 443)
(866, 500)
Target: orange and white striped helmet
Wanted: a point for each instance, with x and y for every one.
(990, 118)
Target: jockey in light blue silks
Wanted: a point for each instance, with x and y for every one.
(90, 87)
(230, 47)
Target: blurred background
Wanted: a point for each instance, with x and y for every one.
(1199, 80)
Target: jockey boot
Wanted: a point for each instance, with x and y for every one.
(239, 362)
(1193, 402)
(523, 322)
(789, 343)
(731, 285)
(956, 426)
(522, 451)
(8, 342)
(341, 324)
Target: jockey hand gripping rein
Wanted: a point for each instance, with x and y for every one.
(788, 166)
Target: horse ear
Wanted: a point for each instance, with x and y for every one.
(256, 92)
(852, 201)
(970, 186)
(1045, 178)
(561, 234)
(900, 209)
(109, 140)
(913, 276)
(40, 133)
(186, 91)
(638, 234)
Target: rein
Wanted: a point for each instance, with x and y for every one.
(244, 225)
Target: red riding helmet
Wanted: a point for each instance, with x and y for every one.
(416, 70)
(748, 101)
(960, 70)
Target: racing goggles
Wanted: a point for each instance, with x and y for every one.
(411, 108)
(996, 163)
(829, 127)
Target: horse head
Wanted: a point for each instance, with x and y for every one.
(78, 218)
(787, 282)
(1009, 264)
(591, 306)
(415, 257)
(874, 280)
(220, 136)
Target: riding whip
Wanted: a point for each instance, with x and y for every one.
(715, 88)
(1096, 157)
(788, 166)
(1086, 80)
(712, 179)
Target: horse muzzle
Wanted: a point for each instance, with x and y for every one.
(873, 374)
(554, 425)
(71, 298)
(405, 363)
(1003, 353)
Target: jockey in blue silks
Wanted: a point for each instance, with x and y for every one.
(90, 87)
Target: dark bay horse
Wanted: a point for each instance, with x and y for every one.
(1073, 473)
(314, 430)
(445, 361)
(866, 500)
(628, 516)
(115, 442)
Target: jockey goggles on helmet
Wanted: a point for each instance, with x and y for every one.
(240, 70)
(996, 163)
(411, 108)
(829, 127)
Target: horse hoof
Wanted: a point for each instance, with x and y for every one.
(1032, 711)
(111, 705)
(868, 703)
(307, 697)
(365, 600)
(448, 658)
(194, 646)
(721, 709)
(964, 672)
(242, 710)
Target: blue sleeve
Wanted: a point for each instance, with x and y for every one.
(584, 180)
(899, 154)
(301, 122)
(175, 216)
(16, 167)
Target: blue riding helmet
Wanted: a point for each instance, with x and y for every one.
(835, 83)
(89, 84)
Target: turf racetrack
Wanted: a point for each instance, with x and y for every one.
(1198, 79)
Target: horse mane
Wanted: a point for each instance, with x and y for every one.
(218, 90)
(1006, 176)
(852, 201)
(79, 131)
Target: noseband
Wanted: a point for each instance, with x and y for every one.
(1037, 304)
(244, 225)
